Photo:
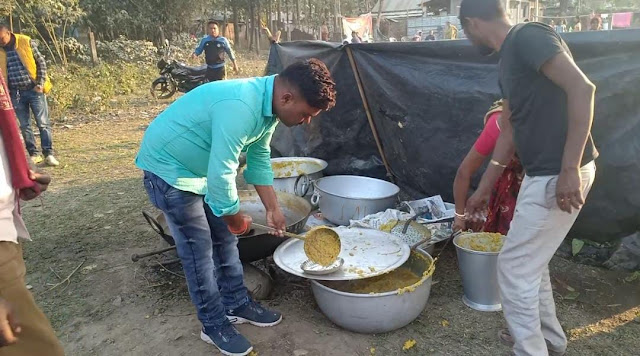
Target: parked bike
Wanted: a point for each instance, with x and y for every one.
(175, 76)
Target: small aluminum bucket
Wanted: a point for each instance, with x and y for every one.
(479, 274)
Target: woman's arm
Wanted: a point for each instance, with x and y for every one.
(470, 165)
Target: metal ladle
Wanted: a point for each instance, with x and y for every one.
(309, 266)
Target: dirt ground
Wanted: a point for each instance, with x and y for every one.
(89, 223)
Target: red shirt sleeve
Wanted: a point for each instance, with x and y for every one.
(486, 142)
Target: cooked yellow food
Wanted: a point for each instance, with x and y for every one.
(397, 279)
(483, 242)
(322, 245)
(290, 169)
(402, 279)
(386, 227)
(408, 344)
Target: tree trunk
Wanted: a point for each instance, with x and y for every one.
(269, 15)
(279, 15)
(336, 20)
(258, 26)
(251, 19)
(286, 26)
(296, 18)
(379, 16)
(236, 32)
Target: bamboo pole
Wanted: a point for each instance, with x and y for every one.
(367, 110)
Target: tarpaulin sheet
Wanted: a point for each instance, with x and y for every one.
(428, 100)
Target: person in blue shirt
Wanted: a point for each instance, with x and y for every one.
(189, 155)
(215, 47)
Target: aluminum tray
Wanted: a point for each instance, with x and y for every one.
(366, 253)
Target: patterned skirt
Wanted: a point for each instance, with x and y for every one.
(502, 203)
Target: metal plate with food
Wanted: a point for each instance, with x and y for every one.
(366, 253)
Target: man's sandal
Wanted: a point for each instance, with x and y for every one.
(506, 339)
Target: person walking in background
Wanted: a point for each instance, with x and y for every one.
(418, 36)
(355, 38)
(324, 31)
(577, 26)
(430, 36)
(595, 24)
(26, 72)
(562, 27)
(24, 329)
(546, 119)
(450, 31)
(214, 47)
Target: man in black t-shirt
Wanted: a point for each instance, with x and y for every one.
(547, 117)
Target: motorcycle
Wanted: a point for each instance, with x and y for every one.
(175, 76)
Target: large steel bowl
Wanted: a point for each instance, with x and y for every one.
(378, 312)
(479, 273)
(344, 198)
(294, 175)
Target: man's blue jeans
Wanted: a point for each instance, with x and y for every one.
(207, 249)
(25, 102)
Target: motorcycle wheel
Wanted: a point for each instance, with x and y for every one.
(162, 88)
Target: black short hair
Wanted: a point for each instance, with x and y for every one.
(213, 22)
(487, 10)
(313, 79)
(4, 25)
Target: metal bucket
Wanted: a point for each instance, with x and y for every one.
(376, 312)
(344, 198)
(479, 274)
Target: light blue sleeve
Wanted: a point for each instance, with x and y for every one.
(228, 49)
(200, 47)
(259, 171)
(233, 125)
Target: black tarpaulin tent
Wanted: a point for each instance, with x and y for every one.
(427, 101)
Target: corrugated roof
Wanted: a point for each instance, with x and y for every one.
(398, 6)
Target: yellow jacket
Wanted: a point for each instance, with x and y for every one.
(23, 48)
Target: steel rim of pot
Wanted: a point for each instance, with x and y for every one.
(315, 185)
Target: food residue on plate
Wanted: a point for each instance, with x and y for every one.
(482, 242)
(322, 245)
(409, 344)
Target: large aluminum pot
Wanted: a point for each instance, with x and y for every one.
(479, 274)
(344, 198)
(294, 175)
(377, 312)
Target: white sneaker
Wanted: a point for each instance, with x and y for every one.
(51, 161)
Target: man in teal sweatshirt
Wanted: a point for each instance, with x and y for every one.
(189, 155)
